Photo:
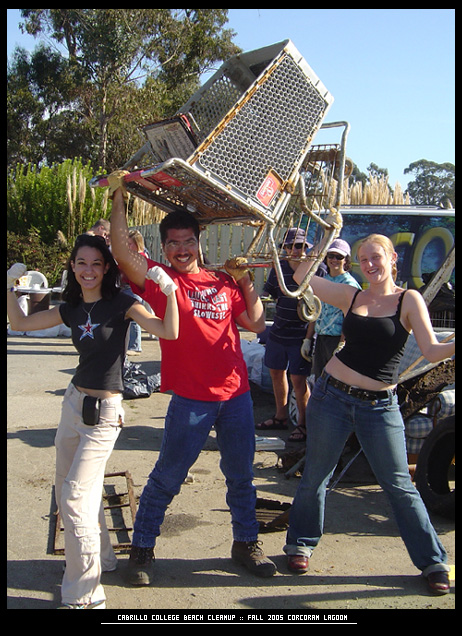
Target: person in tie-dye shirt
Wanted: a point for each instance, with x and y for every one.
(328, 327)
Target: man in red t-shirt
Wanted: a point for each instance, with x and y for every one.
(205, 370)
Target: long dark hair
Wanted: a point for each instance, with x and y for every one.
(72, 293)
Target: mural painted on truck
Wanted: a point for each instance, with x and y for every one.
(421, 241)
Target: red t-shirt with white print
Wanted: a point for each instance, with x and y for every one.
(205, 362)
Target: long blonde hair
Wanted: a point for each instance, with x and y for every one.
(387, 246)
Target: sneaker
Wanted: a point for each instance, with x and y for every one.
(140, 566)
(95, 605)
(250, 554)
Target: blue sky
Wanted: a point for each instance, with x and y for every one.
(391, 72)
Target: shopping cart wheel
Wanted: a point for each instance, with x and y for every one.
(309, 311)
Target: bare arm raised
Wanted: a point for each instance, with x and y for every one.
(18, 320)
(415, 317)
(40, 320)
(133, 265)
(335, 294)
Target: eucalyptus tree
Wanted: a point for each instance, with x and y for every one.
(128, 66)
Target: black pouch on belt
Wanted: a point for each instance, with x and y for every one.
(90, 410)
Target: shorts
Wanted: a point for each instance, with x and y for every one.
(280, 356)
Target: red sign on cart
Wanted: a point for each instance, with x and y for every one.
(268, 188)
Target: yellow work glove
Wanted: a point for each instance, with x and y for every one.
(115, 181)
(234, 268)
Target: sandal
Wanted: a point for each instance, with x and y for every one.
(273, 424)
(298, 435)
(438, 582)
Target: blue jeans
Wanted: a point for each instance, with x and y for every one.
(331, 416)
(134, 338)
(187, 426)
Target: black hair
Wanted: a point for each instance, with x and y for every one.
(178, 220)
(72, 293)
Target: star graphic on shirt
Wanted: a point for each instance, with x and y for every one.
(88, 328)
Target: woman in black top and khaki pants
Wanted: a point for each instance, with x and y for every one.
(99, 314)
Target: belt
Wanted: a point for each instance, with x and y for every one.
(361, 394)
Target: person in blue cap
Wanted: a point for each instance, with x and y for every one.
(328, 327)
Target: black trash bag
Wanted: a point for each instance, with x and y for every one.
(137, 383)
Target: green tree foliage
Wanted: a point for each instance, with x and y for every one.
(52, 199)
(47, 207)
(95, 78)
(44, 123)
(123, 68)
(433, 184)
(50, 260)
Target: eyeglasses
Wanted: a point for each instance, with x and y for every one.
(336, 257)
(174, 245)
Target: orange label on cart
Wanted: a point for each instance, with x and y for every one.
(268, 188)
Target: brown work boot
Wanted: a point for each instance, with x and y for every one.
(250, 554)
(140, 568)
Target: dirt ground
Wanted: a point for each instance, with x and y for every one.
(361, 563)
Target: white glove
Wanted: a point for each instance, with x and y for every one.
(305, 349)
(160, 276)
(16, 271)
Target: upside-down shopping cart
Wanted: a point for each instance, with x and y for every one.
(240, 151)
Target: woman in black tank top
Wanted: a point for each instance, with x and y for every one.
(356, 393)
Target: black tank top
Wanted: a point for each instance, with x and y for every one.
(374, 346)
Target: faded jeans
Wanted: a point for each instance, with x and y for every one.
(81, 455)
(187, 426)
(331, 416)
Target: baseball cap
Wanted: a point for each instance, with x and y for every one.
(339, 246)
(296, 235)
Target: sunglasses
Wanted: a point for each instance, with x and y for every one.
(336, 257)
(298, 246)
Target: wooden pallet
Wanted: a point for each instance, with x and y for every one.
(120, 510)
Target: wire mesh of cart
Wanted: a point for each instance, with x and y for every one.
(312, 212)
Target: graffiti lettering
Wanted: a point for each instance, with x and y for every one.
(418, 254)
